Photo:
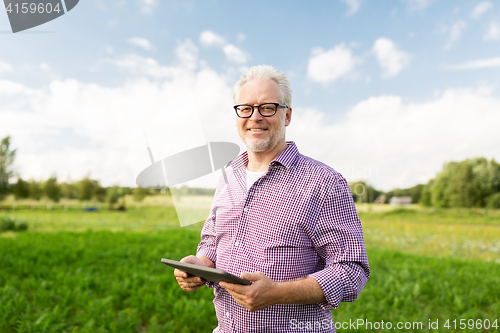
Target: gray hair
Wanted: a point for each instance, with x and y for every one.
(265, 73)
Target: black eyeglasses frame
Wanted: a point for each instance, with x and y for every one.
(258, 108)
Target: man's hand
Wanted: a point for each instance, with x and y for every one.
(262, 293)
(192, 283)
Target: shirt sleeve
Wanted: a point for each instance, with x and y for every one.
(338, 240)
(208, 243)
(207, 246)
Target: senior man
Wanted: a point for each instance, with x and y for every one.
(286, 222)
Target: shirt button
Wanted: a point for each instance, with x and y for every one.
(237, 243)
(227, 314)
(245, 209)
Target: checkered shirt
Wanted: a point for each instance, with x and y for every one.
(297, 220)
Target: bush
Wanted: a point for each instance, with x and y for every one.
(494, 201)
(7, 223)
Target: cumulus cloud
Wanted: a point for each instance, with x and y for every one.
(353, 6)
(390, 58)
(187, 53)
(481, 8)
(143, 43)
(136, 64)
(146, 6)
(5, 67)
(330, 65)
(72, 128)
(44, 67)
(241, 37)
(418, 4)
(454, 33)
(234, 54)
(476, 64)
(392, 144)
(493, 32)
(210, 38)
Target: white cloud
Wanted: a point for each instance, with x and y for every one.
(147, 6)
(5, 67)
(326, 66)
(418, 4)
(44, 67)
(144, 66)
(477, 64)
(481, 8)
(187, 53)
(353, 6)
(493, 32)
(241, 37)
(454, 33)
(210, 38)
(234, 54)
(395, 144)
(390, 57)
(143, 43)
(71, 127)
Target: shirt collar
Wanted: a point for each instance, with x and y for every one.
(286, 158)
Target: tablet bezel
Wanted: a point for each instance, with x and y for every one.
(207, 273)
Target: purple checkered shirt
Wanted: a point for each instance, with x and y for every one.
(297, 220)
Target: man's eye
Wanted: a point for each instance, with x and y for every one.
(245, 109)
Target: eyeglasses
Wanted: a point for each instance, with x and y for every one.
(265, 110)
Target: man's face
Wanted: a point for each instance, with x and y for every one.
(257, 132)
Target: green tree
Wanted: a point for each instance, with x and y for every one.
(139, 193)
(69, 190)
(469, 183)
(426, 199)
(112, 196)
(7, 157)
(440, 184)
(52, 189)
(99, 192)
(86, 188)
(35, 190)
(486, 179)
(21, 189)
(494, 201)
(461, 188)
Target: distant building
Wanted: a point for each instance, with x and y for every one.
(400, 201)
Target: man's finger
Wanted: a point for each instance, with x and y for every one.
(252, 276)
(240, 299)
(179, 273)
(236, 288)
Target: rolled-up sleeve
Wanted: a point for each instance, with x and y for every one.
(208, 246)
(208, 243)
(338, 240)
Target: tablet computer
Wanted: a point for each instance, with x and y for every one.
(208, 273)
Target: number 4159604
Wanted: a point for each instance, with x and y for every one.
(471, 324)
(33, 8)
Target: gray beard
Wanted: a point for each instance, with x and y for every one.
(268, 144)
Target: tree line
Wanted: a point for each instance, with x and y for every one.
(469, 183)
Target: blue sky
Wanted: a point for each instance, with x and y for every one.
(385, 91)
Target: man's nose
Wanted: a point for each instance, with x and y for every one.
(256, 114)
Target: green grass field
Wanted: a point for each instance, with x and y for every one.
(75, 271)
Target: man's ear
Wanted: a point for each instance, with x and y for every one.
(288, 116)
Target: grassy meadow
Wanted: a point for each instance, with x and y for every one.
(78, 271)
